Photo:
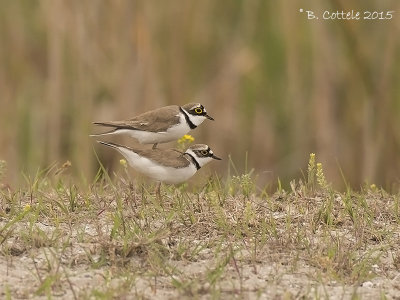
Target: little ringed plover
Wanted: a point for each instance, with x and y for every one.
(170, 165)
(161, 125)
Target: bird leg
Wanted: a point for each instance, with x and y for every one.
(155, 146)
(158, 191)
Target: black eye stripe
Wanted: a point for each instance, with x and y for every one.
(193, 111)
(200, 152)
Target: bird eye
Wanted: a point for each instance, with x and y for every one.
(204, 152)
(198, 110)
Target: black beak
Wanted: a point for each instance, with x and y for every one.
(208, 117)
(215, 157)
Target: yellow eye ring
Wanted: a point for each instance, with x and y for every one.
(204, 152)
(198, 110)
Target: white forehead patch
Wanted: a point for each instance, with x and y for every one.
(200, 147)
(197, 105)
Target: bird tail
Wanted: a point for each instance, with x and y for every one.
(124, 150)
(106, 124)
(116, 146)
(103, 133)
(112, 145)
(112, 131)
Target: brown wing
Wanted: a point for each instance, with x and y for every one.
(158, 120)
(169, 157)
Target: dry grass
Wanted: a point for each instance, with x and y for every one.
(226, 239)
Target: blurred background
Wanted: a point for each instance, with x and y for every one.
(278, 85)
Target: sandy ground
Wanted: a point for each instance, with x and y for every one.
(271, 277)
(198, 247)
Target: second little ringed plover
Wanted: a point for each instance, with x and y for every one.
(169, 166)
(161, 125)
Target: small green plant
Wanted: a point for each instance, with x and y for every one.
(244, 183)
(311, 172)
(315, 175)
(3, 168)
(321, 177)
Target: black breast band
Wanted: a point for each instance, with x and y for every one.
(194, 161)
(190, 123)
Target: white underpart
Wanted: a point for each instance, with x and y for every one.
(196, 120)
(156, 171)
(146, 137)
